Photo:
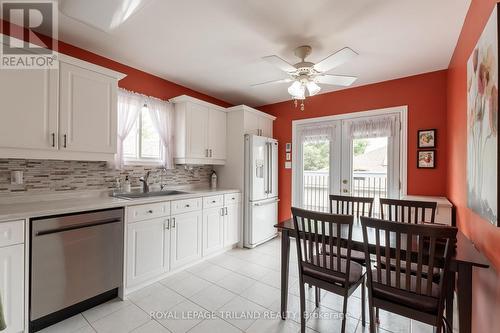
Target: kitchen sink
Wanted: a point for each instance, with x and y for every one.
(139, 195)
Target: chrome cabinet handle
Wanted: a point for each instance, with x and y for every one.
(65, 139)
(222, 212)
(206, 152)
(210, 152)
(173, 222)
(225, 210)
(167, 224)
(53, 139)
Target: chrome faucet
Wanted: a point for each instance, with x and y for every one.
(144, 180)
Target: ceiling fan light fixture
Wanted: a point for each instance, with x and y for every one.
(297, 90)
(313, 88)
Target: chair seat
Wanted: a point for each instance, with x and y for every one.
(436, 273)
(356, 256)
(355, 270)
(410, 299)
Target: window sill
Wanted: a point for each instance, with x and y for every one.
(143, 163)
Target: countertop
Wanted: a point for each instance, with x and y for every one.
(16, 207)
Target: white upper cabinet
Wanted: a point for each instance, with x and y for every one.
(65, 113)
(88, 103)
(200, 132)
(255, 121)
(29, 109)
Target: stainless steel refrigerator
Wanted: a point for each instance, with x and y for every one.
(261, 189)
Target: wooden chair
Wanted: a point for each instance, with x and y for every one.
(315, 233)
(407, 210)
(357, 207)
(401, 290)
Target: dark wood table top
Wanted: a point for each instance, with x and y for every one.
(465, 252)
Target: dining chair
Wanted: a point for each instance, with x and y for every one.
(401, 290)
(408, 211)
(315, 233)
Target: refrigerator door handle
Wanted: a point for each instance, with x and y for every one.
(266, 203)
(270, 166)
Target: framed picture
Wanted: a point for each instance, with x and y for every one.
(426, 159)
(427, 138)
(482, 123)
(288, 147)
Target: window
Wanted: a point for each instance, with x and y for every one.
(143, 143)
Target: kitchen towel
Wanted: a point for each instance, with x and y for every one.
(2, 319)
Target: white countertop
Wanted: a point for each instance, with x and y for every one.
(15, 207)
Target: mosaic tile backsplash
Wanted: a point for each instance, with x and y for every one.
(54, 175)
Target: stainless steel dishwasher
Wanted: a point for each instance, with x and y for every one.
(76, 263)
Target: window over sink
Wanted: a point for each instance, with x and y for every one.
(143, 143)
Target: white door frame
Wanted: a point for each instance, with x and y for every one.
(402, 111)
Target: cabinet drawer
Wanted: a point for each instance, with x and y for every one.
(11, 233)
(187, 205)
(149, 211)
(213, 201)
(232, 198)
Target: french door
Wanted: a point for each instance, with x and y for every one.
(357, 156)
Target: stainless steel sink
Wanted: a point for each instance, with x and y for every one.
(139, 195)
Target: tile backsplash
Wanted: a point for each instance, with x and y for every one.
(55, 175)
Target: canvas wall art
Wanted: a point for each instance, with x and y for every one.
(482, 123)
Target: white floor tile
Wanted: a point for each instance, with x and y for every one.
(188, 286)
(254, 271)
(327, 320)
(146, 291)
(274, 325)
(262, 294)
(336, 302)
(212, 273)
(393, 322)
(163, 300)
(123, 320)
(151, 327)
(213, 297)
(419, 327)
(293, 307)
(69, 325)
(214, 326)
(241, 312)
(183, 317)
(105, 309)
(227, 261)
(235, 282)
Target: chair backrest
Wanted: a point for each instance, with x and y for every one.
(346, 205)
(428, 247)
(407, 210)
(319, 234)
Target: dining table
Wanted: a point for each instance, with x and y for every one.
(464, 259)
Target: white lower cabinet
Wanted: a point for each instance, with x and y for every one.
(185, 238)
(232, 220)
(213, 230)
(148, 244)
(12, 287)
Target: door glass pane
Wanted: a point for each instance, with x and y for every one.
(370, 168)
(316, 162)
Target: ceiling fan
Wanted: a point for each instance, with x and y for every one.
(306, 75)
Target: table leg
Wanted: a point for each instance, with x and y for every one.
(450, 294)
(464, 294)
(285, 262)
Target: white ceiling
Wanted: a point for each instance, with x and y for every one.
(216, 46)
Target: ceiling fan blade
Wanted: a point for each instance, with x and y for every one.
(272, 82)
(280, 63)
(336, 80)
(335, 60)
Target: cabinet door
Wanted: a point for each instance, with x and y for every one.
(88, 104)
(12, 287)
(217, 134)
(251, 123)
(197, 131)
(185, 238)
(146, 250)
(232, 221)
(213, 230)
(266, 125)
(29, 108)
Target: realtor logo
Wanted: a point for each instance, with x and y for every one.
(30, 34)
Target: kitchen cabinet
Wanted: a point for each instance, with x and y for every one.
(147, 250)
(185, 238)
(213, 230)
(12, 287)
(256, 122)
(29, 108)
(71, 112)
(88, 104)
(200, 132)
(232, 220)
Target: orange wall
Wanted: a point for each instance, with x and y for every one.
(425, 96)
(136, 80)
(486, 293)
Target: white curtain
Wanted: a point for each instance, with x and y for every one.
(162, 115)
(316, 132)
(129, 106)
(373, 127)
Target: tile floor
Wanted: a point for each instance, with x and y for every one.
(237, 291)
